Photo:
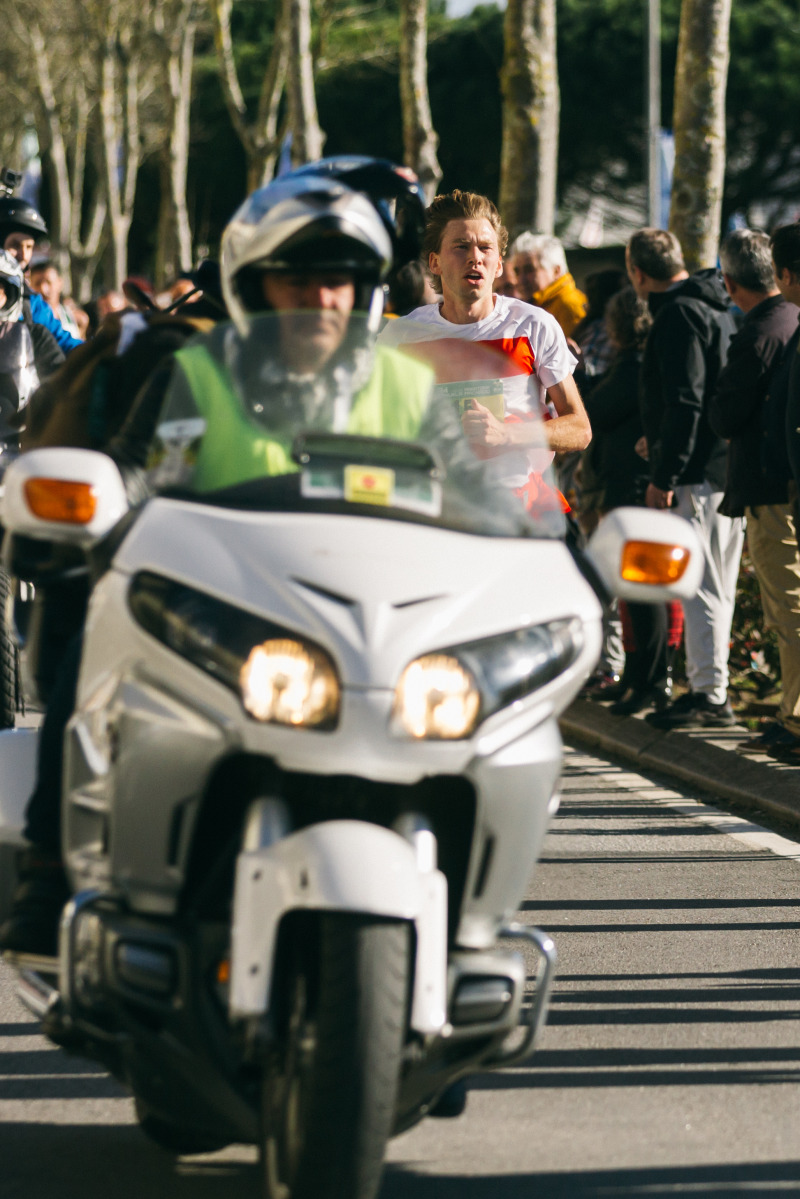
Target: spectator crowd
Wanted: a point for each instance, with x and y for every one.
(692, 386)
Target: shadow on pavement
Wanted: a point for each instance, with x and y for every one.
(756, 1181)
(69, 1161)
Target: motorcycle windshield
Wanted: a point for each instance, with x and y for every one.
(306, 411)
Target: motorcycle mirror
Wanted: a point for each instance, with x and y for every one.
(138, 297)
(646, 556)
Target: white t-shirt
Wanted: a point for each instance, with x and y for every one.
(522, 352)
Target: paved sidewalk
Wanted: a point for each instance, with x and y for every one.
(705, 759)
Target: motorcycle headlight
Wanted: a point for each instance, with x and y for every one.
(436, 697)
(279, 677)
(289, 682)
(445, 696)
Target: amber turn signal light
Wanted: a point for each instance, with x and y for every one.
(653, 562)
(61, 500)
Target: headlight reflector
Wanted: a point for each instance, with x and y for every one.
(288, 682)
(437, 698)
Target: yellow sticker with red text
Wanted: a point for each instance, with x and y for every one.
(368, 485)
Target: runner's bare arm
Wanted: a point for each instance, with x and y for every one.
(569, 430)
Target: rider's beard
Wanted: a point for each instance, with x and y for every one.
(310, 339)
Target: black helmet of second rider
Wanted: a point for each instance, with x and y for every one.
(21, 227)
(333, 218)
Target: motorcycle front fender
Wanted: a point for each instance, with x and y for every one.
(337, 866)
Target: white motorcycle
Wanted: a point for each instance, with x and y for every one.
(313, 759)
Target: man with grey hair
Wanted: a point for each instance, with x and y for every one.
(544, 280)
(685, 351)
(743, 409)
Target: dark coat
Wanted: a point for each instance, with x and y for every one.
(793, 406)
(47, 353)
(738, 408)
(612, 405)
(685, 352)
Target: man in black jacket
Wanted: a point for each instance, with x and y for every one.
(743, 407)
(685, 352)
(785, 244)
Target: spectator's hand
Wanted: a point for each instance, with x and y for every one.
(656, 498)
(481, 427)
(641, 448)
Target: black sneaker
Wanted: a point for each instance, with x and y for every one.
(694, 710)
(42, 891)
(774, 737)
(603, 686)
(637, 699)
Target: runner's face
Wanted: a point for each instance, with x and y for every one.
(3, 296)
(326, 301)
(468, 261)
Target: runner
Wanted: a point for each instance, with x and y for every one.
(531, 373)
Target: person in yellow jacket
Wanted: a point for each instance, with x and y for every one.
(543, 279)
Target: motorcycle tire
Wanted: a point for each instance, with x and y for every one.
(174, 1138)
(330, 1093)
(9, 655)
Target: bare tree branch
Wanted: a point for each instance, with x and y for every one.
(261, 137)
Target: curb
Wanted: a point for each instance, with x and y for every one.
(762, 786)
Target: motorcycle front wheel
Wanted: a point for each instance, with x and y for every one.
(330, 1090)
(9, 655)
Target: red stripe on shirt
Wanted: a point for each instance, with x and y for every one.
(455, 361)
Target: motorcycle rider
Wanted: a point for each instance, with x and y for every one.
(307, 242)
(21, 227)
(18, 376)
(310, 246)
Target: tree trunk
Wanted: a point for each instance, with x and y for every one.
(699, 123)
(119, 122)
(176, 27)
(529, 81)
(420, 142)
(59, 227)
(260, 138)
(87, 236)
(65, 140)
(307, 137)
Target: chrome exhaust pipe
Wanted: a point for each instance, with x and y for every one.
(35, 994)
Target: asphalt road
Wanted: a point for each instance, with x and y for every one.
(670, 1064)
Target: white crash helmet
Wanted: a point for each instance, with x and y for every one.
(309, 222)
(12, 282)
